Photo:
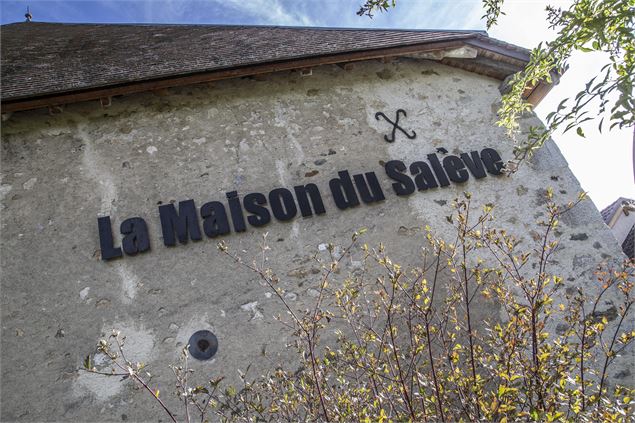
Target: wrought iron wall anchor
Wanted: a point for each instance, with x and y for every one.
(395, 125)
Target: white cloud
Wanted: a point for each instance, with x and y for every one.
(269, 12)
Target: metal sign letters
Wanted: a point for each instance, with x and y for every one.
(218, 218)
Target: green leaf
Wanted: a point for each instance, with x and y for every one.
(580, 132)
(87, 362)
(200, 389)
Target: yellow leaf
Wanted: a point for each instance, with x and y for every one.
(382, 415)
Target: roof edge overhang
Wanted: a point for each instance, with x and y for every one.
(493, 58)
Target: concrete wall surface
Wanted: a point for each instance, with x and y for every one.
(59, 173)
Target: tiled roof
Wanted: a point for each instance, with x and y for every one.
(40, 59)
(628, 245)
(609, 211)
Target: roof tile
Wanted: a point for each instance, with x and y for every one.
(50, 58)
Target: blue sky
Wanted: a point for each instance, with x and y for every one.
(408, 14)
(602, 162)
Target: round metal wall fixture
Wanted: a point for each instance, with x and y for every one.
(203, 344)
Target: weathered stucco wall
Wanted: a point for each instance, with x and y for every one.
(59, 173)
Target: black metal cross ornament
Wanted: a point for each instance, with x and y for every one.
(395, 125)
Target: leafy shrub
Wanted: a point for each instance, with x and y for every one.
(407, 345)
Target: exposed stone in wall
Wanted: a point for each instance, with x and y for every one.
(59, 173)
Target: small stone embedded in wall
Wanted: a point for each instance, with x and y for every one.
(29, 184)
